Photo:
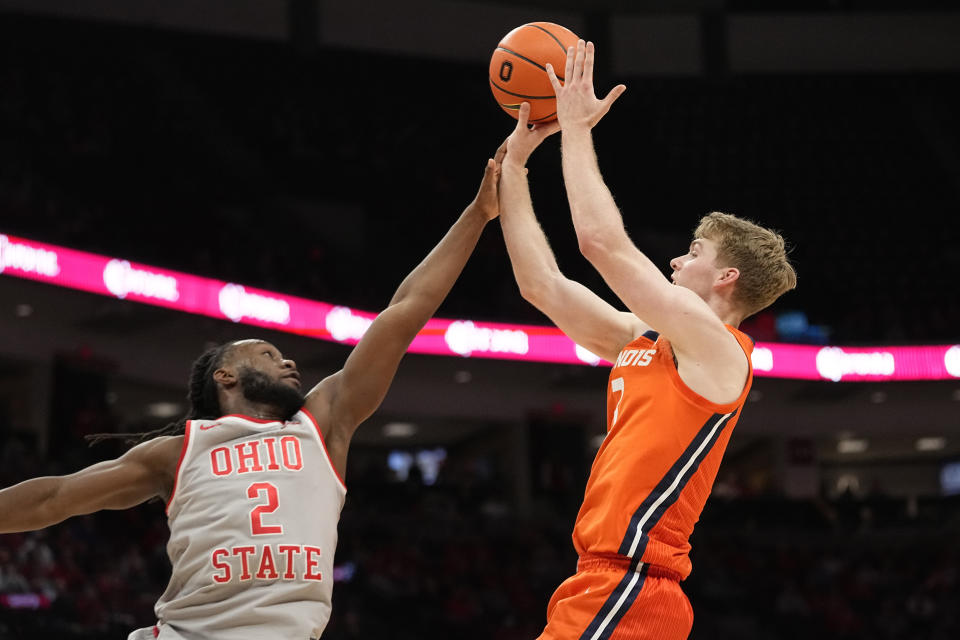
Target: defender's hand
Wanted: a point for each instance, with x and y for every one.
(487, 198)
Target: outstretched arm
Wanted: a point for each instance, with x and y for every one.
(345, 399)
(677, 312)
(144, 472)
(581, 314)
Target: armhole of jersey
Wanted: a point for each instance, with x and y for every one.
(698, 399)
(747, 352)
(323, 444)
(184, 452)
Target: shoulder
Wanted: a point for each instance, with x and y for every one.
(697, 331)
(159, 446)
(318, 403)
(715, 346)
(160, 454)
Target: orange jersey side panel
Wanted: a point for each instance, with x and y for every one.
(656, 466)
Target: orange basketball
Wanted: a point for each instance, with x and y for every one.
(518, 71)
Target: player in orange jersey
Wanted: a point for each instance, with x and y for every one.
(681, 372)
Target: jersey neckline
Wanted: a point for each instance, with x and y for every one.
(251, 418)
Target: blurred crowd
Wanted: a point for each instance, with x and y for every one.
(454, 560)
(327, 173)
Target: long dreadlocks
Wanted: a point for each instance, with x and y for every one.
(202, 395)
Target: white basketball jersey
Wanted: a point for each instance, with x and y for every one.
(253, 529)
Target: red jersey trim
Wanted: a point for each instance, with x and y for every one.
(183, 454)
(698, 399)
(251, 419)
(316, 425)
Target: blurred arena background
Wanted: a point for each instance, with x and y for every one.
(318, 148)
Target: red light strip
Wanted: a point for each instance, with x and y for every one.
(21, 258)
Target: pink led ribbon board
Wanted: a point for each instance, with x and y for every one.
(115, 277)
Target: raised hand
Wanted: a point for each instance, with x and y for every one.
(525, 138)
(487, 198)
(577, 104)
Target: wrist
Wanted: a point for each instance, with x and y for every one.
(476, 212)
(576, 131)
(513, 167)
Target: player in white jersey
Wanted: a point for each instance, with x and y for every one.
(253, 477)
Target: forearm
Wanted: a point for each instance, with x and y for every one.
(26, 506)
(428, 284)
(596, 218)
(532, 259)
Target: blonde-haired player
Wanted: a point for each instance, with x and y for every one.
(681, 372)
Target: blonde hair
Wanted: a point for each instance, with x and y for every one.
(758, 253)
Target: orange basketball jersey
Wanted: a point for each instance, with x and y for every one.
(656, 466)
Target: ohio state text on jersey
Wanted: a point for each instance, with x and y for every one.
(253, 529)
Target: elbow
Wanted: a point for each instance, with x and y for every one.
(531, 292)
(407, 315)
(537, 291)
(51, 508)
(592, 246)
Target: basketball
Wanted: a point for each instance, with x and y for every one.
(518, 71)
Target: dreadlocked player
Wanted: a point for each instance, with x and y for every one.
(253, 476)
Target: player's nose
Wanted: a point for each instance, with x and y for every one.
(676, 263)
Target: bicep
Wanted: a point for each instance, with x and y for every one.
(678, 313)
(113, 484)
(351, 395)
(588, 319)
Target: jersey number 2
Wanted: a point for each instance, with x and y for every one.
(273, 501)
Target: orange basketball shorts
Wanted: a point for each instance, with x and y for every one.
(608, 599)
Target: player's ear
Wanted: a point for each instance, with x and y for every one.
(728, 276)
(225, 376)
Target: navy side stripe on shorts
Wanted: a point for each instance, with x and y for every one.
(616, 605)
